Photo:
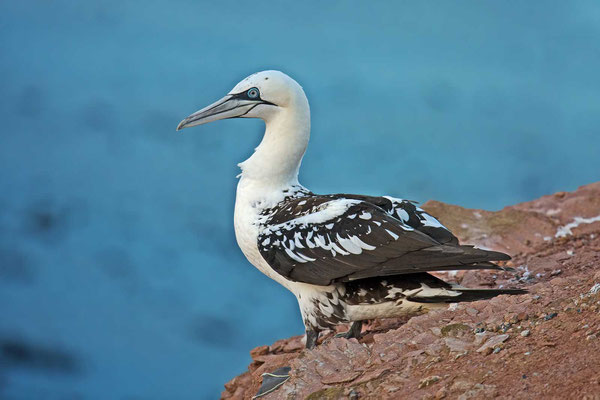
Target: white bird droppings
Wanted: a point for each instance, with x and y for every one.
(567, 229)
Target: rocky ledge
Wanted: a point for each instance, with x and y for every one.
(545, 344)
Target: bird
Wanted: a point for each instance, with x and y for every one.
(347, 258)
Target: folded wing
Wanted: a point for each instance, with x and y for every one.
(326, 239)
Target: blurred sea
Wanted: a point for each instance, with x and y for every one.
(119, 273)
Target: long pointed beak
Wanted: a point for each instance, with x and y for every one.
(227, 107)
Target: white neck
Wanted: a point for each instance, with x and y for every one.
(276, 160)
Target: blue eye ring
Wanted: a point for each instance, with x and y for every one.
(253, 93)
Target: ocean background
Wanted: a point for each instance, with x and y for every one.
(119, 273)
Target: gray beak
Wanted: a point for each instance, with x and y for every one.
(229, 106)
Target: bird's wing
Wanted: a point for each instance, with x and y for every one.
(411, 215)
(324, 239)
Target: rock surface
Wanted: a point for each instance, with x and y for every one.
(544, 344)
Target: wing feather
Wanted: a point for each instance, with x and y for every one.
(326, 239)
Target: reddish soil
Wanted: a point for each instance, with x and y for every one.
(545, 344)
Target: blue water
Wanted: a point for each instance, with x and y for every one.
(119, 273)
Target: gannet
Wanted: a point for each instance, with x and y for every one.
(347, 258)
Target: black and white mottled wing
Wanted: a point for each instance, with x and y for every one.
(411, 215)
(324, 239)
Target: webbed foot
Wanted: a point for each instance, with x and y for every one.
(353, 332)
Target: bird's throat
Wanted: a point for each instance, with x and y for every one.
(277, 159)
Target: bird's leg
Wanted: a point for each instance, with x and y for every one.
(311, 338)
(353, 332)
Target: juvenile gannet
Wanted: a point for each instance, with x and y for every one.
(346, 258)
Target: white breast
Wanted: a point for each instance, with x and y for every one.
(245, 222)
(250, 201)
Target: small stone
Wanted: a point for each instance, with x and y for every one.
(493, 342)
(480, 337)
(292, 346)
(436, 331)
(461, 386)
(511, 318)
(525, 333)
(441, 394)
(259, 351)
(497, 350)
(550, 316)
(591, 337)
(504, 327)
(522, 316)
(556, 272)
(527, 353)
(471, 311)
(456, 345)
(340, 377)
(536, 297)
(428, 381)
(353, 395)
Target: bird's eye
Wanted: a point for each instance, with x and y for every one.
(252, 93)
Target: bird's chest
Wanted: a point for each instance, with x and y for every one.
(246, 228)
(247, 225)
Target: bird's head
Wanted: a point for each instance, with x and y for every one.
(262, 95)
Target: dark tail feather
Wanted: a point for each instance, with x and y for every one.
(467, 294)
(477, 265)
